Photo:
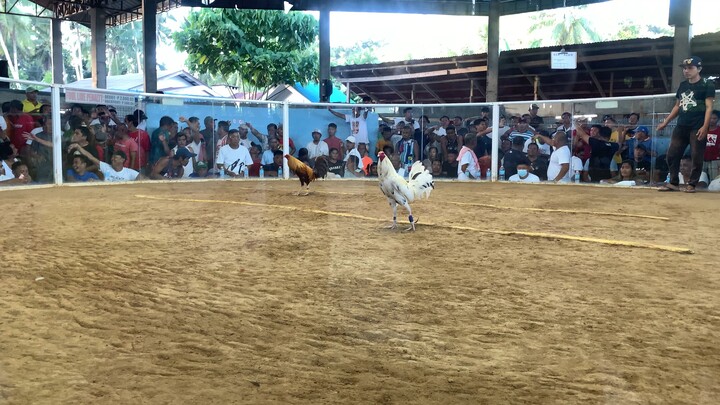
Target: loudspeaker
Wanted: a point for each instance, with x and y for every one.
(4, 73)
(679, 13)
(326, 89)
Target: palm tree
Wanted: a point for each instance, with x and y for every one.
(567, 29)
(20, 38)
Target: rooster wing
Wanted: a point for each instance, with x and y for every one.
(303, 171)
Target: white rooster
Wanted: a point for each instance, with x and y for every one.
(399, 191)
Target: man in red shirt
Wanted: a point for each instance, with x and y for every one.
(143, 140)
(334, 142)
(712, 149)
(19, 124)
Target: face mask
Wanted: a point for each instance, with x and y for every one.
(522, 172)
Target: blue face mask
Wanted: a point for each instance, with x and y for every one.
(522, 172)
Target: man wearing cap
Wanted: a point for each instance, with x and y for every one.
(641, 138)
(31, 105)
(536, 121)
(317, 147)
(693, 107)
(172, 167)
(353, 160)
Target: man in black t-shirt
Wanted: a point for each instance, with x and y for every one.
(514, 156)
(538, 163)
(693, 108)
(335, 165)
(602, 152)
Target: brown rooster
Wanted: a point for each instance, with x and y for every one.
(305, 173)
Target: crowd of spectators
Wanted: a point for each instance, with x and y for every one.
(101, 145)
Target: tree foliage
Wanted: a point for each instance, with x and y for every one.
(265, 47)
(362, 52)
(22, 45)
(566, 29)
(125, 45)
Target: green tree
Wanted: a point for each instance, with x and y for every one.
(360, 53)
(566, 29)
(125, 45)
(22, 44)
(629, 30)
(264, 47)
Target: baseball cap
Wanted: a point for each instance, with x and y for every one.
(518, 140)
(534, 107)
(184, 153)
(31, 90)
(201, 165)
(692, 61)
(642, 128)
(350, 139)
(317, 131)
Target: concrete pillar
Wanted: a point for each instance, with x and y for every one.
(681, 50)
(149, 10)
(493, 62)
(56, 50)
(97, 47)
(324, 38)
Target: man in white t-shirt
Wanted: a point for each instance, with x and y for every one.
(468, 165)
(560, 159)
(523, 175)
(268, 155)
(116, 170)
(358, 123)
(686, 169)
(233, 156)
(317, 147)
(356, 165)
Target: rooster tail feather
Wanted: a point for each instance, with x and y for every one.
(321, 167)
(421, 181)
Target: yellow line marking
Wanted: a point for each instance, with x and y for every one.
(312, 191)
(500, 207)
(610, 214)
(456, 227)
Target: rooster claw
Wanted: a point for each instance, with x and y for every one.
(412, 226)
(393, 226)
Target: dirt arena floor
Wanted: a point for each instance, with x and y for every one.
(241, 293)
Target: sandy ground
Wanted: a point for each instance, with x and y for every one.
(259, 296)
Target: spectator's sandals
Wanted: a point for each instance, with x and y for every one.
(668, 187)
(689, 189)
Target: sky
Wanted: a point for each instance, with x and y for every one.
(416, 36)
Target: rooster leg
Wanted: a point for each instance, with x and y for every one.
(410, 218)
(300, 191)
(393, 204)
(307, 189)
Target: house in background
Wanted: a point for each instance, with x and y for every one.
(308, 93)
(177, 82)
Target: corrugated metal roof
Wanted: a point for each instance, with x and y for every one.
(616, 68)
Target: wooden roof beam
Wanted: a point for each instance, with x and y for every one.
(432, 93)
(594, 79)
